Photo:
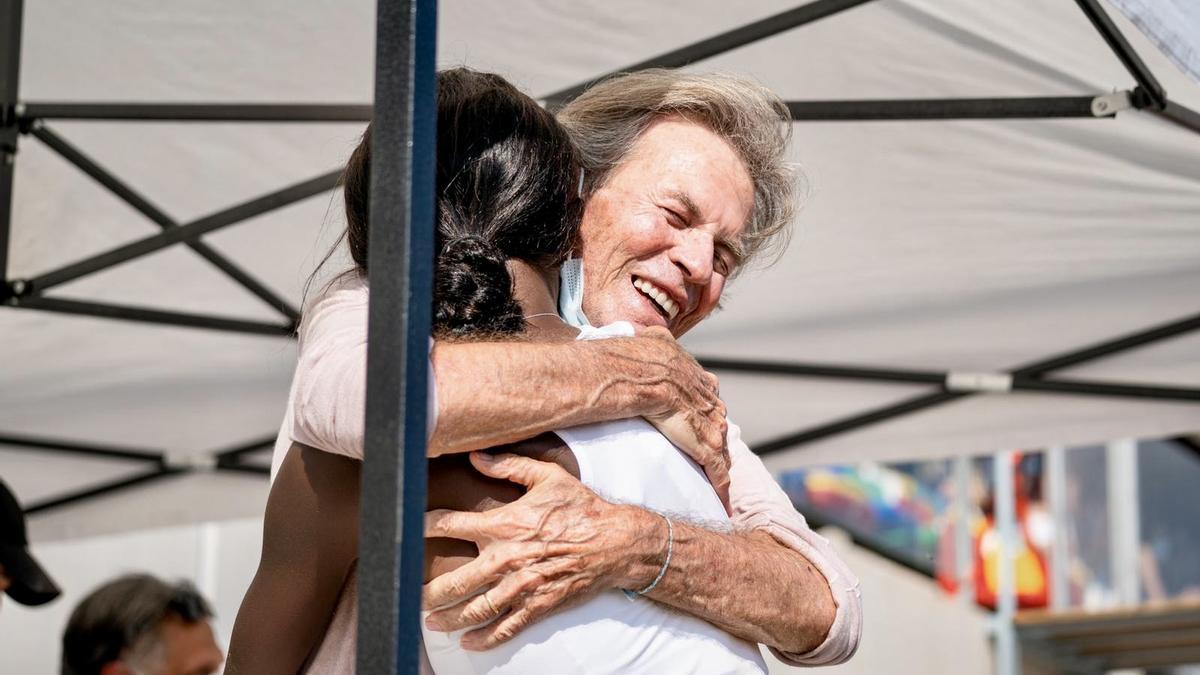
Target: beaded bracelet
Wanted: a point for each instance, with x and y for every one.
(633, 595)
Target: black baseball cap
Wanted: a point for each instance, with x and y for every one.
(29, 583)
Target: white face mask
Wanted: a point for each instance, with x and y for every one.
(570, 293)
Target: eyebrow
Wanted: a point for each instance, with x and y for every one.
(734, 246)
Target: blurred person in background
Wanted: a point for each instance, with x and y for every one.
(140, 625)
(20, 574)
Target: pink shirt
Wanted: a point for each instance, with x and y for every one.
(326, 411)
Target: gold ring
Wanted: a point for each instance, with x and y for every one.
(489, 603)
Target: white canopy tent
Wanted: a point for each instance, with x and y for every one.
(929, 246)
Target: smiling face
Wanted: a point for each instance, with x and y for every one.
(662, 235)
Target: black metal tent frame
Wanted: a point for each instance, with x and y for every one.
(30, 119)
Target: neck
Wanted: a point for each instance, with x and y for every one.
(536, 290)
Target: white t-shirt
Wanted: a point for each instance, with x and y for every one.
(625, 461)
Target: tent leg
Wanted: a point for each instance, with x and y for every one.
(1056, 498)
(10, 71)
(1006, 650)
(964, 559)
(1124, 539)
(391, 552)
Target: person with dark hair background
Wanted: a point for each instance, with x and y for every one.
(140, 625)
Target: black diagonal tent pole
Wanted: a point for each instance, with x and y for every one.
(1124, 51)
(391, 540)
(105, 488)
(190, 232)
(150, 464)
(157, 216)
(71, 447)
(724, 42)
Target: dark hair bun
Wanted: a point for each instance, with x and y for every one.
(473, 290)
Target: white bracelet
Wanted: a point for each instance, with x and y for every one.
(632, 595)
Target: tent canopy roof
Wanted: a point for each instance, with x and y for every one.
(937, 246)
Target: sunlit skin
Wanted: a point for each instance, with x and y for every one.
(672, 213)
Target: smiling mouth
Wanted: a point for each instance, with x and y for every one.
(658, 297)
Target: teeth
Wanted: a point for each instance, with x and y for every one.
(658, 295)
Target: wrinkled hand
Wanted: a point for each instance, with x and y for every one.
(692, 415)
(559, 543)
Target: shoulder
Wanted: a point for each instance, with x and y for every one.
(340, 305)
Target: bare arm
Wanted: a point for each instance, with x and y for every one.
(762, 507)
(746, 583)
(310, 543)
(488, 394)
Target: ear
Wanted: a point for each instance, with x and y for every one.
(115, 668)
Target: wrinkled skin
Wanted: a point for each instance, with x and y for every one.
(537, 552)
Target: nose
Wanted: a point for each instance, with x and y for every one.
(693, 255)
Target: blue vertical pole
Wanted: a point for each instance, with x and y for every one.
(391, 543)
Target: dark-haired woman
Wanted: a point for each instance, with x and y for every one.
(507, 214)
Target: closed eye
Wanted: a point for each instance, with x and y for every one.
(721, 263)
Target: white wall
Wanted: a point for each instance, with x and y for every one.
(219, 558)
(909, 624)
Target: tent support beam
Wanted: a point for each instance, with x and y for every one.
(392, 531)
(1124, 51)
(78, 448)
(104, 489)
(1029, 372)
(238, 451)
(719, 44)
(901, 376)
(853, 422)
(171, 236)
(195, 112)
(1032, 107)
(10, 72)
(1114, 346)
(1181, 115)
(146, 315)
(225, 460)
(142, 205)
(231, 459)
